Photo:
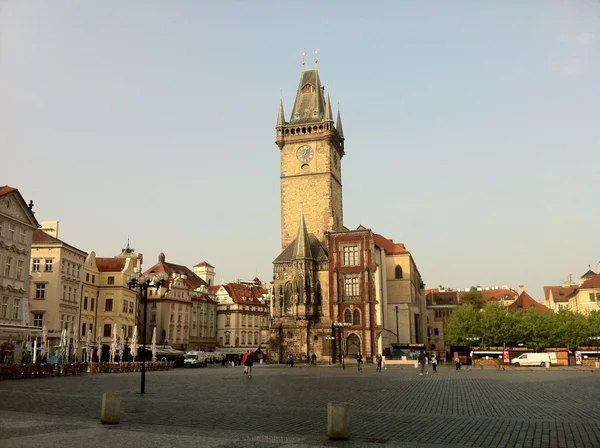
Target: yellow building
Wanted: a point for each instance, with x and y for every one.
(55, 282)
(582, 296)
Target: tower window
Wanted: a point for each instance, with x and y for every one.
(308, 88)
(350, 253)
(348, 316)
(356, 317)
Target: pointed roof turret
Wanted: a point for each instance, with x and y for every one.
(328, 112)
(302, 249)
(280, 114)
(338, 125)
(309, 106)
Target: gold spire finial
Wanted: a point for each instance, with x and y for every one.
(303, 61)
(316, 60)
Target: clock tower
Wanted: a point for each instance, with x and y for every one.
(311, 150)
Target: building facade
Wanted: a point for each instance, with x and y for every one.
(17, 224)
(170, 308)
(242, 317)
(582, 296)
(55, 282)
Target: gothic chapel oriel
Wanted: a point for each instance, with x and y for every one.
(311, 149)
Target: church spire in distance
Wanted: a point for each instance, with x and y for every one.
(280, 114)
(338, 125)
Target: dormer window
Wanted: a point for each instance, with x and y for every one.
(308, 88)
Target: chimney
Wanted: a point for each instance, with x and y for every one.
(521, 289)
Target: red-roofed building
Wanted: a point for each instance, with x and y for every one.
(182, 310)
(524, 302)
(17, 224)
(582, 296)
(242, 317)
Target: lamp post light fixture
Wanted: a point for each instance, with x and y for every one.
(141, 283)
(341, 326)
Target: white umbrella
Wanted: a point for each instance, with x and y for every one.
(35, 350)
(88, 343)
(122, 344)
(75, 344)
(133, 345)
(45, 341)
(99, 345)
(63, 343)
(153, 346)
(113, 343)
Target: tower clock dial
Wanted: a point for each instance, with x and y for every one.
(304, 154)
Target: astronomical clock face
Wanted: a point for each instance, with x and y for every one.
(304, 154)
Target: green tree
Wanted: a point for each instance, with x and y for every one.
(473, 298)
(568, 329)
(464, 322)
(497, 325)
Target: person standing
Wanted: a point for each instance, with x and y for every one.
(313, 359)
(434, 362)
(244, 359)
(359, 361)
(379, 360)
(422, 360)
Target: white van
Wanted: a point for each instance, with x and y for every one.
(194, 359)
(534, 359)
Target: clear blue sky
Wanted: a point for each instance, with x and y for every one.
(472, 128)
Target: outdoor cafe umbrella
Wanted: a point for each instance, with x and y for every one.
(88, 348)
(99, 345)
(153, 346)
(63, 343)
(75, 344)
(133, 344)
(122, 344)
(35, 349)
(45, 341)
(113, 343)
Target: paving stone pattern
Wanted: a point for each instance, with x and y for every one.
(476, 408)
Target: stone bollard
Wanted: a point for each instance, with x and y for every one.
(111, 408)
(338, 421)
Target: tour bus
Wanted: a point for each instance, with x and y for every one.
(534, 359)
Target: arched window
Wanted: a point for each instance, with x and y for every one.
(288, 296)
(398, 271)
(348, 316)
(307, 88)
(356, 317)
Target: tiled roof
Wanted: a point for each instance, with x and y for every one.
(318, 251)
(559, 293)
(592, 282)
(6, 189)
(588, 274)
(498, 294)
(203, 298)
(203, 263)
(443, 298)
(213, 289)
(192, 281)
(242, 294)
(110, 264)
(41, 237)
(525, 301)
(389, 246)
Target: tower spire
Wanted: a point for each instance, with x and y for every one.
(302, 249)
(328, 113)
(338, 125)
(280, 114)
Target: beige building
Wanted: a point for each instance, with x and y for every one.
(170, 308)
(582, 296)
(55, 282)
(17, 224)
(242, 317)
(107, 299)
(400, 292)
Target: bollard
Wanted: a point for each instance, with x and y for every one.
(338, 421)
(111, 408)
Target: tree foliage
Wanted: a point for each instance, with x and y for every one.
(474, 298)
(496, 326)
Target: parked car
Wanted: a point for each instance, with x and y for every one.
(534, 359)
(194, 359)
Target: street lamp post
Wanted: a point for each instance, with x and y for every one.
(471, 340)
(341, 326)
(397, 327)
(330, 339)
(142, 282)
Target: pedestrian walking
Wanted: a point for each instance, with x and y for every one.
(457, 361)
(379, 360)
(248, 363)
(422, 360)
(244, 359)
(291, 361)
(359, 361)
(434, 363)
(313, 359)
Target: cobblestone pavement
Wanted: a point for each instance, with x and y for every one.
(282, 406)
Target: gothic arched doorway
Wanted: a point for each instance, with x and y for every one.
(352, 345)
